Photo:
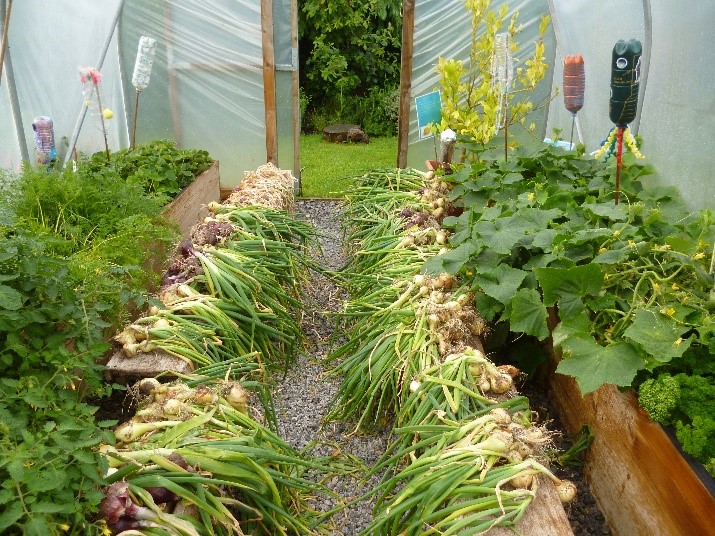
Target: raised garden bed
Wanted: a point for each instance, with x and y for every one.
(639, 477)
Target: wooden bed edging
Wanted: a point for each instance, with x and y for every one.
(640, 480)
(189, 207)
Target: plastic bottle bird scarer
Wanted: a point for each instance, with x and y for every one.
(574, 86)
(43, 128)
(623, 104)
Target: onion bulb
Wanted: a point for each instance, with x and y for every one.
(437, 297)
(131, 431)
(172, 406)
(161, 323)
(213, 207)
(414, 385)
(205, 396)
(453, 306)
(445, 281)
(237, 396)
(419, 280)
(438, 212)
(566, 490)
(147, 386)
(500, 383)
(464, 299)
(500, 416)
(433, 320)
(514, 456)
(522, 480)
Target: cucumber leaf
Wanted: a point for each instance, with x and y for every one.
(593, 365)
(658, 334)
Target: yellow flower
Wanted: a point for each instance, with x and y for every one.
(531, 196)
(678, 341)
(656, 286)
(617, 233)
(674, 286)
(469, 273)
(698, 256)
(602, 250)
(107, 113)
(668, 312)
(631, 244)
(64, 527)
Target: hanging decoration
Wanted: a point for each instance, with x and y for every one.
(91, 78)
(574, 87)
(142, 74)
(622, 106)
(43, 128)
(502, 79)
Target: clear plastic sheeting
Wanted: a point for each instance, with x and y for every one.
(207, 79)
(47, 42)
(676, 113)
(206, 89)
(444, 29)
(676, 119)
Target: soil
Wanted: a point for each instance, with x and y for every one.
(304, 396)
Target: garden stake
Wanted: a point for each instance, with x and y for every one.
(502, 79)
(92, 76)
(574, 87)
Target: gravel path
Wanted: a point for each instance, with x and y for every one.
(303, 398)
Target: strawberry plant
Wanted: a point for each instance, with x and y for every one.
(159, 167)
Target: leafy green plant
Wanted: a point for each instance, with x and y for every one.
(159, 167)
(49, 469)
(686, 402)
(72, 251)
(630, 280)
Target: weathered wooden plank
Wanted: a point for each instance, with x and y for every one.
(189, 207)
(145, 365)
(641, 482)
(544, 517)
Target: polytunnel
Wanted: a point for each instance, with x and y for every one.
(223, 78)
(675, 117)
(483, 341)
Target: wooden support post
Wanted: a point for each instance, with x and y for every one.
(403, 125)
(295, 79)
(269, 81)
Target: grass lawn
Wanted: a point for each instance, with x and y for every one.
(326, 167)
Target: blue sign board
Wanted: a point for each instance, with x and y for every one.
(429, 110)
